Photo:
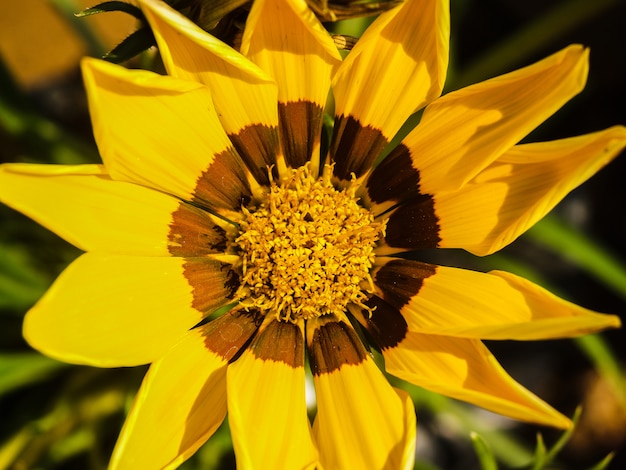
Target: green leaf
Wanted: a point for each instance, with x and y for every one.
(565, 437)
(13, 447)
(133, 45)
(604, 463)
(581, 250)
(82, 439)
(41, 137)
(20, 283)
(207, 14)
(484, 453)
(419, 465)
(544, 458)
(112, 6)
(20, 369)
(540, 453)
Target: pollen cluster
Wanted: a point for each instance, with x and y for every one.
(307, 249)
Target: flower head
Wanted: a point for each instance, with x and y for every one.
(225, 249)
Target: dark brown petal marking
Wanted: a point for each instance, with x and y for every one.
(213, 283)
(354, 147)
(258, 145)
(193, 233)
(333, 345)
(401, 279)
(300, 128)
(395, 178)
(414, 225)
(226, 335)
(232, 281)
(280, 341)
(385, 324)
(223, 184)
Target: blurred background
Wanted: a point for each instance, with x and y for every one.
(58, 416)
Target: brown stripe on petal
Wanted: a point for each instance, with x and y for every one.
(257, 145)
(300, 128)
(223, 185)
(213, 283)
(414, 225)
(227, 334)
(333, 345)
(402, 279)
(193, 233)
(354, 147)
(395, 178)
(384, 323)
(280, 341)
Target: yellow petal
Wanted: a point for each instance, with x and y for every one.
(266, 401)
(362, 422)
(181, 402)
(287, 41)
(497, 305)
(112, 310)
(397, 67)
(244, 96)
(516, 191)
(464, 369)
(163, 133)
(87, 208)
(463, 132)
(500, 203)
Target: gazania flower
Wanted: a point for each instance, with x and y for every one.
(223, 248)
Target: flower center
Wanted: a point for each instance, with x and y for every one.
(307, 249)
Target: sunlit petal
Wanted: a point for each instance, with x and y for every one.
(398, 66)
(516, 191)
(496, 305)
(288, 42)
(181, 402)
(112, 310)
(275, 413)
(163, 133)
(87, 208)
(463, 132)
(244, 96)
(354, 398)
(464, 369)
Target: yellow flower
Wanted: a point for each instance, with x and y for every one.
(213, 193)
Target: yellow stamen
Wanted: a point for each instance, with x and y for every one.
(307, 249)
